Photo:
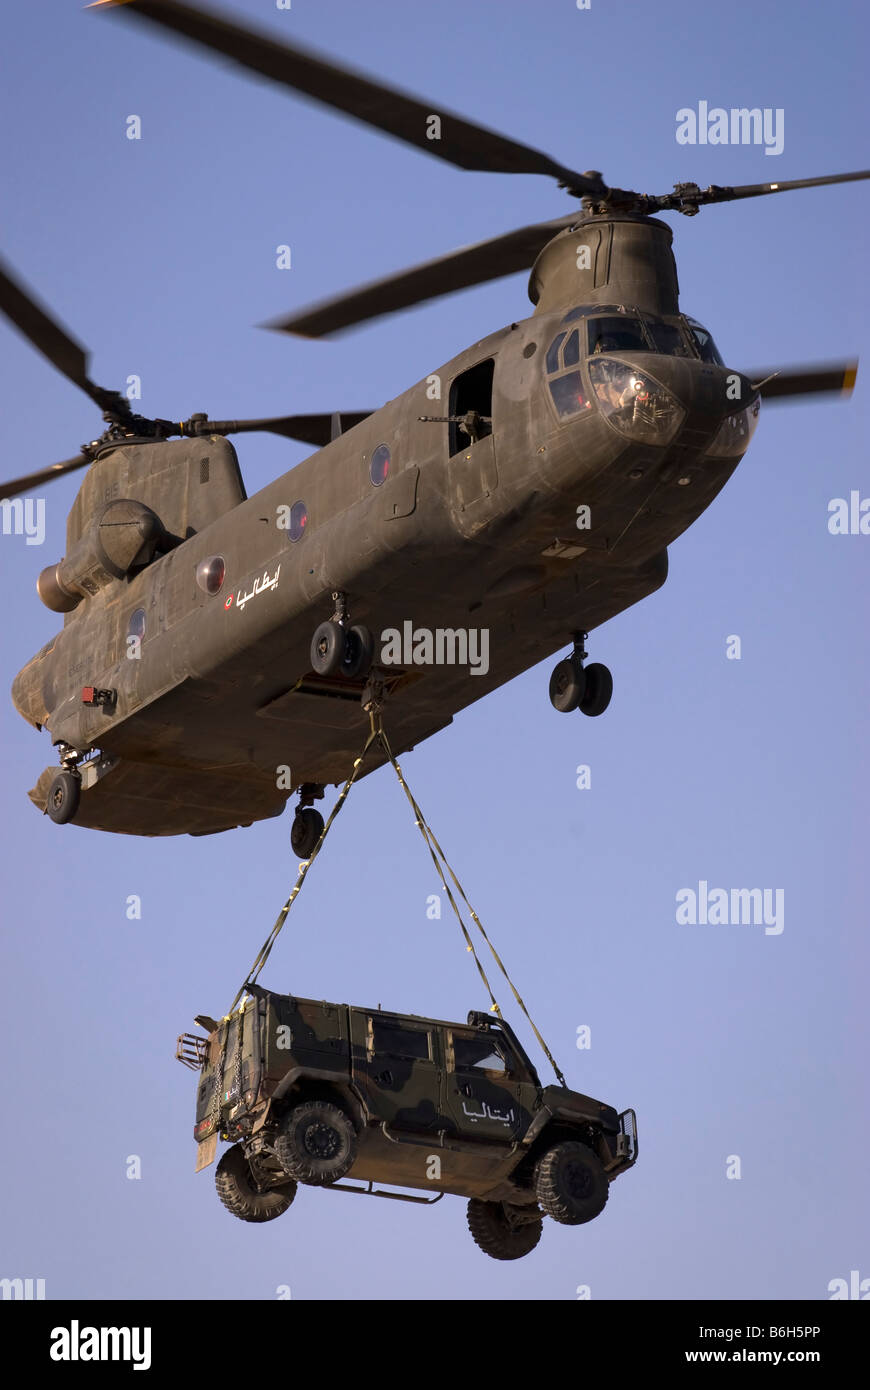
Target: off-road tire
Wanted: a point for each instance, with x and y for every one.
(238, 1192)
(317, 1143)
(492, 1232)
(570, 1184)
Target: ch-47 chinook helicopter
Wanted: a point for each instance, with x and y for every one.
(252, 618)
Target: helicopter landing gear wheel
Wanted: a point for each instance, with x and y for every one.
(567, 685)
(575, 686)
(337, 649)
(64, 796)
(599, 689)
(359, 648)
(327, 649)
(306, 830)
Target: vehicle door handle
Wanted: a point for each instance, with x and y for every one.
(467, 1091)
(386, 1077)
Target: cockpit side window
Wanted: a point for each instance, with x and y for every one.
(704, 342)
(571, 350)
(568, 395)
(553, 352)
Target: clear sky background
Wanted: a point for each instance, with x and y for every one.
(160, 256)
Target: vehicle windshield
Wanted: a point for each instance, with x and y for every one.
(617, 334)
(609, 328)
(668, 338)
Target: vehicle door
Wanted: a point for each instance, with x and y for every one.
(489, 1096)
(472, 465)
(399, 1070)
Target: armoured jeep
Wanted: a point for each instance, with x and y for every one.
(311, 1092)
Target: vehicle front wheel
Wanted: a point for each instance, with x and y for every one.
(570, 1183)
(497, 1230)
(242, 1194)
(317, 1143)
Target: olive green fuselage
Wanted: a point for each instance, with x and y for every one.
(547, 525)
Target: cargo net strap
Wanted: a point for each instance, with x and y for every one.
(439, 859)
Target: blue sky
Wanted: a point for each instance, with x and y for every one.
(159, 254)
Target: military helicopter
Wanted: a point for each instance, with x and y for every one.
(216, 648)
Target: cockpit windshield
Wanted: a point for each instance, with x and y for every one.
(613, 328)
(668, 338)
(617, 334)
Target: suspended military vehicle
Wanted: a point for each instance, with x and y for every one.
(312, 1093)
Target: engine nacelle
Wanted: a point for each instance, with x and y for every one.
(124, 535)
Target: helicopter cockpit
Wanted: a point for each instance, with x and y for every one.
(620, 391)
(621, 328)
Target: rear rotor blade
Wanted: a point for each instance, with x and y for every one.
(457, 141)
(53, 341)
(826, 378)
(45, 475)
(469, 265)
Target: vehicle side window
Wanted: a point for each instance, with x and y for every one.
(397, 1040)
(704, 343)
(571, 350)
(553, 352)
(567, 393)
(480, 1054)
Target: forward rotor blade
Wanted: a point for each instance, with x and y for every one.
(458, 141)
(53, 341)
(308, 429)
(827, 377)
(688, 197)
(45, 475)
(758, 190)
(469, 265)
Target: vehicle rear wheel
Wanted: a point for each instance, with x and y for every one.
(64, 796)
(493, 1231)
(570, 1183)
(567, 685)
(241, 1193)
(317, 1143)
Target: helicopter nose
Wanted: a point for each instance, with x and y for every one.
(657, 399)
(706, 392)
